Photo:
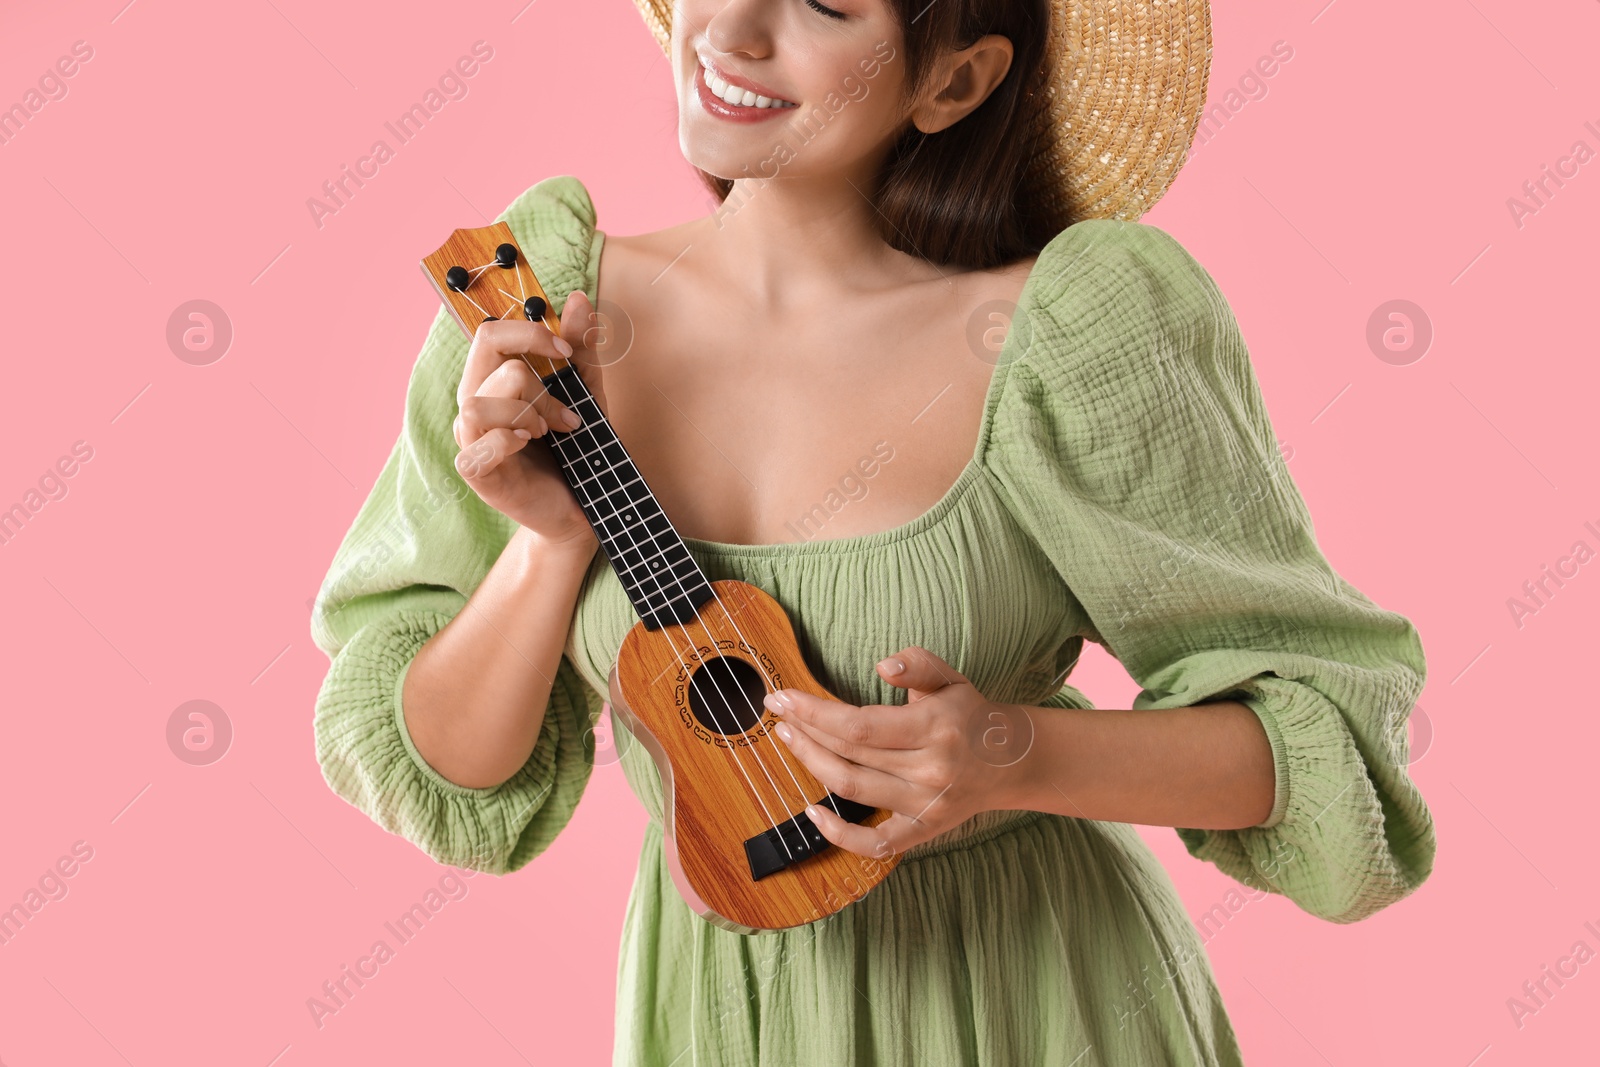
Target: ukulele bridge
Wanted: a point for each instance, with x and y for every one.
(796, 838)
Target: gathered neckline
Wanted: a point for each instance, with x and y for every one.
(880, 538)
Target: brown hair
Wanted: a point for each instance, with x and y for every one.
(963, 196)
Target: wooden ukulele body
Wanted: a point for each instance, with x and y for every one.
(692, 695)
(691, 674)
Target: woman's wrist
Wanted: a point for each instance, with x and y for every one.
(1031, 782)
(576, 551)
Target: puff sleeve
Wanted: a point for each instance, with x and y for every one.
(417, 549)
(1132, 444)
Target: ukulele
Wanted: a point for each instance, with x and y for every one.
(691, 674)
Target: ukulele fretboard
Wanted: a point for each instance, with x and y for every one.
(661, 579)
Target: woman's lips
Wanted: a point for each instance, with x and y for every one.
(715, 105)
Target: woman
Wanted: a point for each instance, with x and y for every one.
(895, 178)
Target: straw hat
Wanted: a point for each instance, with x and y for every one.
(1125, 94)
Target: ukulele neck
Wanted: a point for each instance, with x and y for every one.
(662, 580)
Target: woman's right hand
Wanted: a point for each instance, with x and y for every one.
(503, 406)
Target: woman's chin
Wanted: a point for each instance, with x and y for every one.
(723, 163)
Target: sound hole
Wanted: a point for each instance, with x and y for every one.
(725, 695)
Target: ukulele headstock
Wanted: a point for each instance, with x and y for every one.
(481, 274)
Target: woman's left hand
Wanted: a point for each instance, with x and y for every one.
(934, 762)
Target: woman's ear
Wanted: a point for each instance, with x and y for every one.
(961, 81)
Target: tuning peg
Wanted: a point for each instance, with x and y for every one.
(506, 255)
(457, 278)
(533, 307)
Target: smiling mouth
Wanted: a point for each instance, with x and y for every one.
(737, 96)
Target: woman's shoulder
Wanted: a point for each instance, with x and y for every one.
(1118, 267)
(1126, 377)
(561, 197)
(556, 225)
(1111, 297)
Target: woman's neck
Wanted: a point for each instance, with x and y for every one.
(789, 241)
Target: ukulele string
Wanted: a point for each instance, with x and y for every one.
(666, 631)
(756, 712)
(476, 272)
(772, 684)
(479, 306)
(760, 762)
(770, 680)
(679, 656)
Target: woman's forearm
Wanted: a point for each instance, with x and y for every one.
(1208, 767)
(475, 695)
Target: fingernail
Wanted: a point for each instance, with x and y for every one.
(812, 812)
(784, 732)
(892, 665)
(524, 434)
(562, 347)
(570, 417)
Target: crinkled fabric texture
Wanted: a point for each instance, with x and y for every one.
(1126, 488)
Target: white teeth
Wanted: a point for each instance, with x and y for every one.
(734, 96)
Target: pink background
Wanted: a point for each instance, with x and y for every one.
(181, 561)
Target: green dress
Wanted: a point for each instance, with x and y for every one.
(1126, 488)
